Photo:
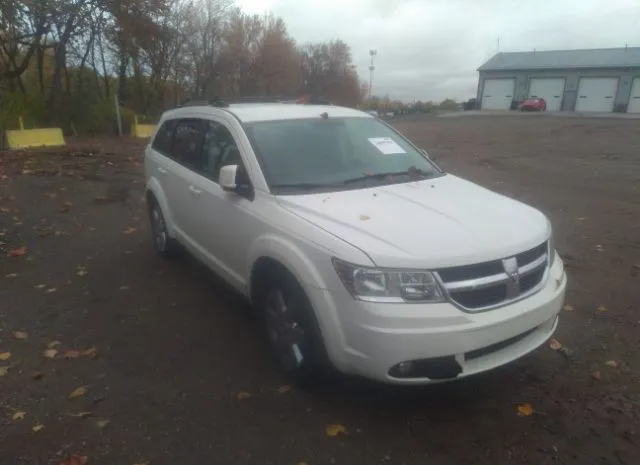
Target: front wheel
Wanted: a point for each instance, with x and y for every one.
(291, 329)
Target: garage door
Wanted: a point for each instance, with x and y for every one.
(596, 94)
(634, 100)
(551, 90)
(497, 94)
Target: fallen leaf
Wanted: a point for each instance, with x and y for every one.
(611, 363)
(82, 414)
(242, 395)
(5, 210)
(568, 308)
(555, 344)
(74, 459)
(334, 430)
(50, 353)
(92, 352)
(52, 344)
(36, 375)
(19, 415)
(4, 371)
(66, 207)
(37, 428)
(40, 286)
(596, 375)
(364, 217)
(19, 252)
(81, 271)
(130, 230)
(602, 308)
(5, 355)
(12, 275)
(19, 335)
(69, 354)
(102, 423)
(524, 410)
(81, 391)
(285, 388)
(50, 291)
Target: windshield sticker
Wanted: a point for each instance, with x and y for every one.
(386, 145)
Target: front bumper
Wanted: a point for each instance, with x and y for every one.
(376, 337)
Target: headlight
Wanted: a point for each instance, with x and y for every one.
(382, 285)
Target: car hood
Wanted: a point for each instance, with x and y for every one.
(435, 223)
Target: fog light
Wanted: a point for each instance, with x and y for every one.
(404, 368)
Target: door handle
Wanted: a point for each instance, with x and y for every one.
(162, 170)
(195, 191)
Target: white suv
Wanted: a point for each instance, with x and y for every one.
(358, 252)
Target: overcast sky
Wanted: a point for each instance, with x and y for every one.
(430, 49)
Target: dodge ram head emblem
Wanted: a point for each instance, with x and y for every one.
(511, 269)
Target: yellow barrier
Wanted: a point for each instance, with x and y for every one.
(24, 138)
(141, 130)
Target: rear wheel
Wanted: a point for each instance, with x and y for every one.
(291, 329)
(165, 246)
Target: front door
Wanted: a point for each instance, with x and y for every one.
(219, 223)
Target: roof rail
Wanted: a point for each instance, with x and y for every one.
(266, 99)
(215, 102)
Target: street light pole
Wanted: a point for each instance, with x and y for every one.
(372, 54)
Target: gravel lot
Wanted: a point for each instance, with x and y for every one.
(180, 375)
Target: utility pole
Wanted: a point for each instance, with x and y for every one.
(372, 54)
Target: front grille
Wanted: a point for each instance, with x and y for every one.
(491, 284)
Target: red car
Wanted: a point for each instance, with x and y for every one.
(533, 104)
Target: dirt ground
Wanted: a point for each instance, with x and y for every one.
(173, 370)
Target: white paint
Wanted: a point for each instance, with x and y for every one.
(634, 99)
(497, 94)
(596, 94)
(419, 225)
(550, 89)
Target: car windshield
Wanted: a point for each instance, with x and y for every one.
(335, 154)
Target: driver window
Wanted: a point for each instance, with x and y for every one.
(218, 149)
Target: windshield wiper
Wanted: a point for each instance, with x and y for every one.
(413, 173)
(303, 185)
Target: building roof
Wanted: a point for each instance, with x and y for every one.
(564, 59)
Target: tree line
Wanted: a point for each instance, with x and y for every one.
(63, 62)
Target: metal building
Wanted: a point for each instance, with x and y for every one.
(596, 80)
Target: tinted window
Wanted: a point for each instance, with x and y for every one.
(329, 152)
(187, 141)
(218, 149)
(162, 141)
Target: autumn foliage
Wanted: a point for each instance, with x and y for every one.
(64, 61)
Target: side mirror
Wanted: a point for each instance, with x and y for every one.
(227, 178)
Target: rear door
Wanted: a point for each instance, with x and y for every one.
(158, 164)
(185, 155)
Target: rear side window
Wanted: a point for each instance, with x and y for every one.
(187, 143)
(162, 141)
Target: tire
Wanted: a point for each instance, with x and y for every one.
(165, 246)
(291, 330)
